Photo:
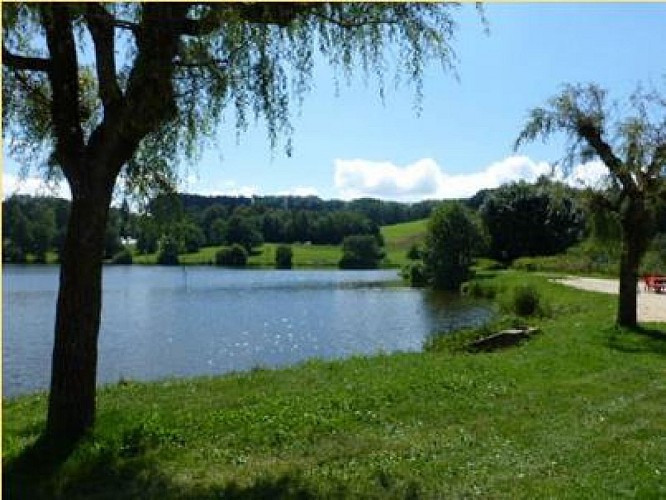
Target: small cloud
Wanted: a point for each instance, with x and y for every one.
(590, 174)
(192, 184)
(426, 179)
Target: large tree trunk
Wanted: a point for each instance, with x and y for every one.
(627, 301)
(637, 231)
(71, 409)
(91, 168)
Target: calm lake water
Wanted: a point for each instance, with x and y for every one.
(162, 322)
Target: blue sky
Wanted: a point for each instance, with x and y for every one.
(353, 145)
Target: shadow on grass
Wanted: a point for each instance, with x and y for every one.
(641, 339)
(27, 475)
(104, 473)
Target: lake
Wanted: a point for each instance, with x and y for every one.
(160, 322)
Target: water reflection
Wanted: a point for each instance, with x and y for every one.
(447, 311)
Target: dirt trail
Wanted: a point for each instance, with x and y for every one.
(651, 306)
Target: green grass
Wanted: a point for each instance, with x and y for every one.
(305, 256)
(403, 236)
(398, 239)
(583, 259)
(577, 412)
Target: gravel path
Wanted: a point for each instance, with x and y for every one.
(651, 306)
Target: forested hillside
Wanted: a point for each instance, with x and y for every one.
(35, 226)
(520, 221)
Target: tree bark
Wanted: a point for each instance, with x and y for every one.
(71, 409)
(637, 231)
(627, 301)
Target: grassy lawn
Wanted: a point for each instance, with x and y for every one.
(398, 239)
(576, 412)
(264, 256)
(403, 236)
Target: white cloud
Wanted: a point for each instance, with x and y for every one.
(355, 178)
(426, 179)
(192, 184)
(231, 189)
(592, 173)
(35, 186)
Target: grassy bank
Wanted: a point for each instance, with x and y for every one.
(576, 412)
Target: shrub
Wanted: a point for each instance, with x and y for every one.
(526, 300)
(414, 273)
(234, 256)
(191, 237)
(168, 253)
(283, 257)
(124, 257)
(415, 252)
(360, 252)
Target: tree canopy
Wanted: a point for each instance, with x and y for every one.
(453, 237)
(526, 220)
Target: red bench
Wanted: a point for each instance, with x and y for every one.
(655, 283)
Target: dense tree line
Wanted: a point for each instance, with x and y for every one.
(380, 212)
(183, 223)
(34, 226)
(248, 222)
(519, 219)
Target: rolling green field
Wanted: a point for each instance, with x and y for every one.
(576, 412)
(403, 236)
(398, 239)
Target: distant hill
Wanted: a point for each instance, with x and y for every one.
(403, 236)
(380, 212)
